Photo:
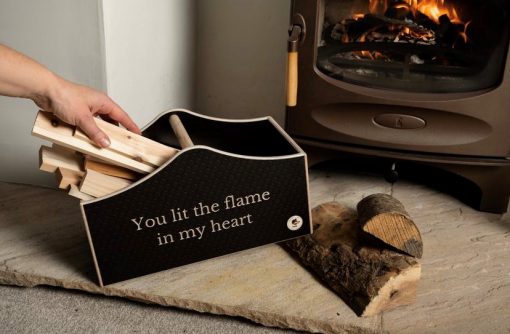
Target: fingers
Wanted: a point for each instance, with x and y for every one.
(115, 113)
(88, 125)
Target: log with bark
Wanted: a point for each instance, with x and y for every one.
(368, 277)
(385, 218)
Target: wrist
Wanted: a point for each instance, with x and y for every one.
(47, 91)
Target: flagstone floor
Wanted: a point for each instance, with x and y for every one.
(465, 286)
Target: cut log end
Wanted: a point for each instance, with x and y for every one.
(385, 218)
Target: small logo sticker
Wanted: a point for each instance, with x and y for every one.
(294, 223)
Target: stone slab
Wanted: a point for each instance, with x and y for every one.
(465, 286)
(465, 283)
(43, 242)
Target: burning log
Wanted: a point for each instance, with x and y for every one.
(376, 28)
(400, 11)
(424, 21)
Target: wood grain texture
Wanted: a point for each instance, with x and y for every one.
(97, 185)
(111, 170)
(464, 291)
(50, 159)
(385, 218)
(131, 145)
(369, 279)
(75, 192)
(50, 128)
(66, 177)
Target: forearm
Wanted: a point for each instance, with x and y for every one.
(21, 76)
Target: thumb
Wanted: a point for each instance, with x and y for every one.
(88, 125)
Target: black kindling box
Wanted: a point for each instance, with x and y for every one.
(243, 184)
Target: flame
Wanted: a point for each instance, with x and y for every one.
(400, 30)
(367, 54)
(379, 55)
(378, 6)
(434, 9)
(463, 34)
(371, 55)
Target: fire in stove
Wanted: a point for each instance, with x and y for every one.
(434, 46)
(431, 43)
(420, 22)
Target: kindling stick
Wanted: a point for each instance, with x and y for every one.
(109, 169)
(66, 177)
(127, 150)
(75, 192)
(50, 159)
(98, 185)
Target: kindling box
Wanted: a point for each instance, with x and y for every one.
(239, 185)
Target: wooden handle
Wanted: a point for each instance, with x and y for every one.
(292, 78)
(180, 132)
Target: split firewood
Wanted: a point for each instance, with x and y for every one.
(75, 192)
(89, 171)
(50, 159)
(66, 150)
(385, 218)
(127, 150)
(137, 147)
(109, 169)
(98, 185)
(369, 279)
(66, 177)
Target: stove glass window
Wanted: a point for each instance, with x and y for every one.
(429, 46)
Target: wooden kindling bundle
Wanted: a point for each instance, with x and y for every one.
(87, 171)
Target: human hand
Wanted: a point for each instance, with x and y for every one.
(21, 76)
(78, 105)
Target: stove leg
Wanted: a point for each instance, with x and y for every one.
(493, 182)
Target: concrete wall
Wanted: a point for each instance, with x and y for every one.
(149, 55)
(64, 35)
(241, 57)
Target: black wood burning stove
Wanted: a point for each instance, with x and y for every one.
(422, 81)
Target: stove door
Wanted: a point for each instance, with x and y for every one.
(427, 46)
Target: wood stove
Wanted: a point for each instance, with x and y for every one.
(422, 81)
